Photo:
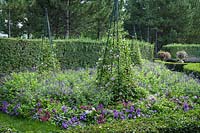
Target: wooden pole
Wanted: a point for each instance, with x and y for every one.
(49, 28)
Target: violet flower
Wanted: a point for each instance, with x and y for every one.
(185, 107)
(64, 109)
(5, 106)
(116, 114)
(83, 117)
(74, 119)
(100, 107)
(64, 125)
(138, 112)
(130, 116)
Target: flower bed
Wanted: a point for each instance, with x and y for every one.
(72, 98)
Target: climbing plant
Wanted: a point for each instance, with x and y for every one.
(114, 67)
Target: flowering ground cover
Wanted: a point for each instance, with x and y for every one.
(72, 99)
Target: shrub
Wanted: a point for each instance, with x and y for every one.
(164, 55)
(78, 53)
(191, 49)
(85, 53)
(177, 122)
(146, 49)
(181, 55)
(135, 54)
(20, 55)
(193, 68)
(114, 71)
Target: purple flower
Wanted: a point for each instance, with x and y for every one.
(70, 122)
(122, 116)
(74, 119)
(132, 109)
(15, 109)
(101, 119)
(100, 107)
(104, 112)
(4, 108)
(112, 79)
(116, 114)
(155, 111)
(138, 112)
(38, 104)
(125, 104)
(64, 125)
(185, 107)
(130, 116)
(64, 109)
(53, 110)
(40, 110)
(83, 117)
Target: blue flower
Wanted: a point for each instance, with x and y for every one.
(64, 109)
(16, 108)
(132, 109)
(5, 106)
(83, 117)
(116, 114)
(130, 116)
(138, 112)
(64, 125)
(100, 107)
(185, 107)
(74, 119)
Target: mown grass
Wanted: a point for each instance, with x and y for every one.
(15, 124)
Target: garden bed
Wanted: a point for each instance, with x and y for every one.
(72, 99)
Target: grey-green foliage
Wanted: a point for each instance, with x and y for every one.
(73, 88)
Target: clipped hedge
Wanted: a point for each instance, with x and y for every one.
(19, 55)
(78, 53)
(177, 123)
(146, 50)
(193, 50)
(192, 68)
(174, 66)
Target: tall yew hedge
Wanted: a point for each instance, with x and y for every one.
(19, 55)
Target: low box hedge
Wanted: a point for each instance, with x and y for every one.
(179, 122)
(174, 66)
(193, 68)
(191, 49)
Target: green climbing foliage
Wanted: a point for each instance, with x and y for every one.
(115, 71)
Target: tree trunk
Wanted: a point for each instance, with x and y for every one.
(67, 34)
(148, 34)
(9, 26)
(135, 33)
(156, 44)
(141, 33)
(48, 26)
(98, 29)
